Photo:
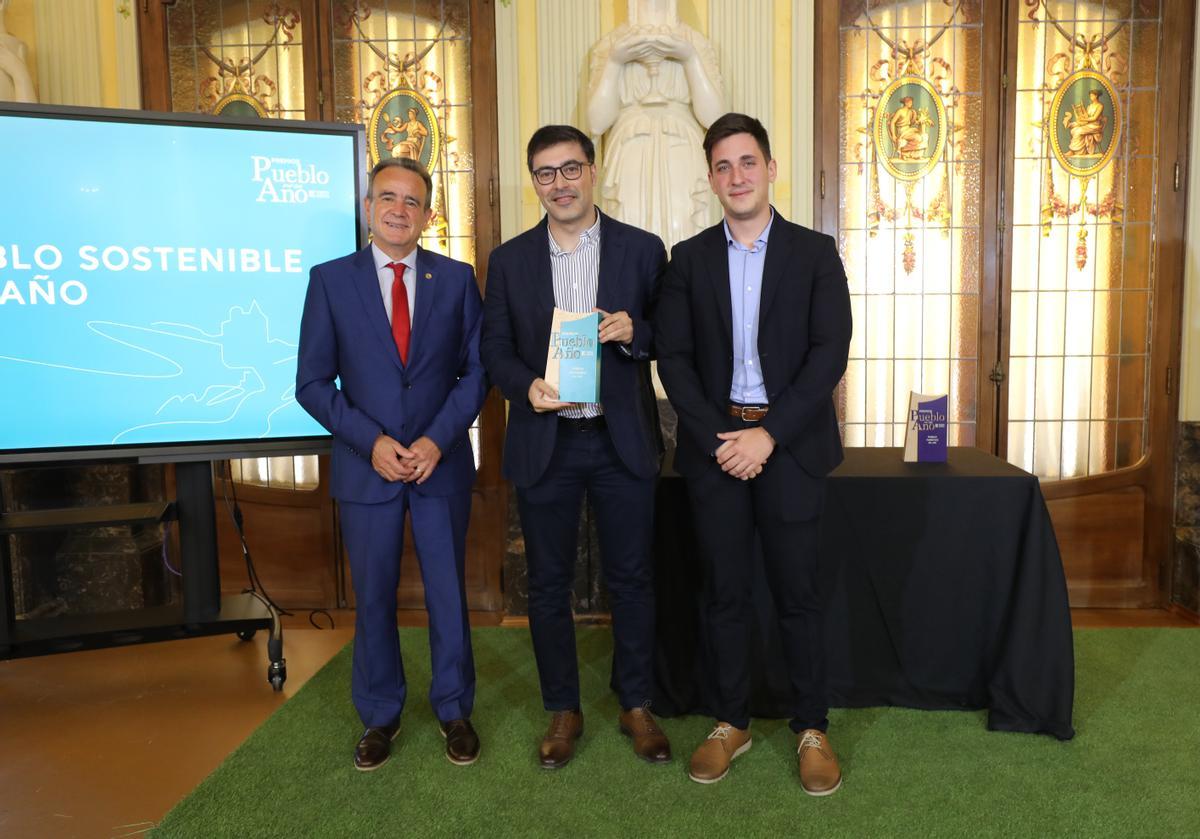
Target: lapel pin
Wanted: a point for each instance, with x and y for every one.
(428, 276)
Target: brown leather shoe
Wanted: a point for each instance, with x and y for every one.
(710, 761)
(649, 742)
(375, 747)
(819, 770)
(558, 746)
(462, 743)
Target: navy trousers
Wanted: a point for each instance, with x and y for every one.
(584, 461)
(374, 539)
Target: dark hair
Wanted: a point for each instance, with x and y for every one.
(552, 135)
(403, 163)
(730, 124)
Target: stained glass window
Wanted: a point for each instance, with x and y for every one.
(910, 179)
(242, 57)
(1083, 224)
(402, 68)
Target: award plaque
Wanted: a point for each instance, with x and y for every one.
(573, 358)
(925, 431)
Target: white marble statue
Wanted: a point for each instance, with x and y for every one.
(655, 87)
(16, 85)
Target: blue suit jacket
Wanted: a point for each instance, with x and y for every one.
(345, 335)
(518, 309)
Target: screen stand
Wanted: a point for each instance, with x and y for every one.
(203, 610)
(196, 512)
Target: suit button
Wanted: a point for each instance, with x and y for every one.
(408, 387)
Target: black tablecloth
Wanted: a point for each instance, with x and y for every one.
(945, 591)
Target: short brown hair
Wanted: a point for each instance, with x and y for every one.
(730, 124)
(403, 163)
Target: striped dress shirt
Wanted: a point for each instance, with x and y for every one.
(576, 276)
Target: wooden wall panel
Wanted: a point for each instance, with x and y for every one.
(291, 540)
(1101, 537)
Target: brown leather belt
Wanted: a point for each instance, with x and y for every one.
(748, 413)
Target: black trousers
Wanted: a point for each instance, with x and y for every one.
(782, 506)
(584, 461)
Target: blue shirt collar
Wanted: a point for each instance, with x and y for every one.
(760, 241)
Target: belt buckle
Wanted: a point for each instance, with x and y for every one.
(742, 413)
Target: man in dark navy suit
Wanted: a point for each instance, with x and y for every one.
(580, 260)
(753, 332)
(399, 327)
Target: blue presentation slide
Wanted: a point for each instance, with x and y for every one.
(152, 278)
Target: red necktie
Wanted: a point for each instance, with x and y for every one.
(401, 325)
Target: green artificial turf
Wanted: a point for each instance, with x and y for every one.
(1133, 768)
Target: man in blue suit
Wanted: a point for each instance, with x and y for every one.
(399, 327)
(580, 260)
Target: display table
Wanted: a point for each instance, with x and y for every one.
(945, 591)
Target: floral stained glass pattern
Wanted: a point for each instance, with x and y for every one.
(910, 169)
(1082, 226)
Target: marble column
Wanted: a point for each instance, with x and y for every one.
(68, 52)
(566, 31)
(129, 83)
(588, 595)
(85, 570)
(1185, 586)
(741, 32)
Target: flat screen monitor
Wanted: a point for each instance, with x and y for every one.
(152, 275)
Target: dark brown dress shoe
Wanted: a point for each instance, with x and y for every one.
(649, 742)
(375, 747)
(558, 746)
(462, 743)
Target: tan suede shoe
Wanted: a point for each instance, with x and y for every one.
(819, 770)
(710, 762)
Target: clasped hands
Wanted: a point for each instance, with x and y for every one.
(617, 326)
(744, 453)
(651, 47)
(411, 464)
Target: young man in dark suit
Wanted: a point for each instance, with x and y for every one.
(399, 327)
(580, 260)
(753, 331)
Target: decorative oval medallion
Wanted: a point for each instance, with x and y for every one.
(909, 133)
(1085, 123)
(404, 124)
(239, 105)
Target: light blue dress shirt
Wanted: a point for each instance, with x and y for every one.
(745, 292)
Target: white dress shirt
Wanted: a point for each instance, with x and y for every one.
(387, 277)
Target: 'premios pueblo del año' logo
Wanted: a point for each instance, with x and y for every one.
(288, 180)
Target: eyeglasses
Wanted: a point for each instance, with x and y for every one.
(571, 170)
